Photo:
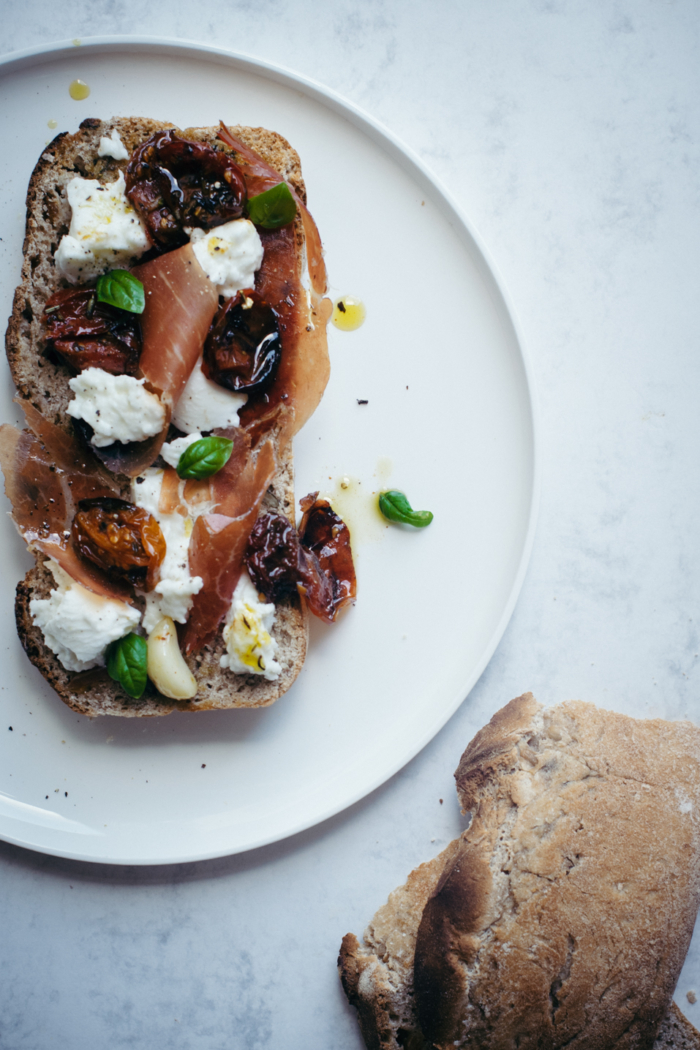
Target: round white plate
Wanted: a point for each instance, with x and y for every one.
(449, 421)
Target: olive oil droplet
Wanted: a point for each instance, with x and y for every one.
(78, 90)
(52, 123)
(348, 313)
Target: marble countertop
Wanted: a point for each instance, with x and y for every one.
(570, 135)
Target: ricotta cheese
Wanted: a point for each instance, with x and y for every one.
(229, 254)
(250, 648)
(78, 625)
(204, 405)
(172, 450)
(172, 595)
(105, 232)
(112, 146)
(118, 408)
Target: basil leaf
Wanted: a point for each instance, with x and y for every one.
(205, 457)
(273, 208)
(395, 507)
(127, 663)
(120, 288)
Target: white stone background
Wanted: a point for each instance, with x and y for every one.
(570, 135)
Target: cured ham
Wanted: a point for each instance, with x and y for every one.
(180, 304)
(218, 544)
(44, 490)
(260, 176)
(304, 367)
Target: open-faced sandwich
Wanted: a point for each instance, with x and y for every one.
(167, 340)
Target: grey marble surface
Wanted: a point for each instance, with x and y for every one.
(570, 134)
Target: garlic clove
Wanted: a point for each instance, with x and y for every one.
(166, 665)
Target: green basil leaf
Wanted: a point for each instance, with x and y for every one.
(205, 457)
(120, 288)
(273, 208)
(395, 507)
(127, 663)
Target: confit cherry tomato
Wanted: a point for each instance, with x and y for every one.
(85, 333)
(242, 350)
(317, 560)
(272, 556)
(174, 182)
(328, 572)
(124, 540)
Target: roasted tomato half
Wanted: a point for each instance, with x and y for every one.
(88, 334)
(242, 350)
(317, 560)
(272, 556)
(124, 540)
(173, 182)
(327, 572)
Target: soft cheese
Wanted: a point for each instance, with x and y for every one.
(229, 254)
(105, 232)
(204, 405)
(172, 595)
(112, 146)
(78, 625)
(118, 408)
(250, 648)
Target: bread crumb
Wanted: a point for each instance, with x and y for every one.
(691, 996)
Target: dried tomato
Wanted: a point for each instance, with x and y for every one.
(88, 334)
(317, 560)
(124, 540)
(173, 182)
(272, 556)
(327, 571)
(242, 350)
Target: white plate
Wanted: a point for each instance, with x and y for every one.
(439, 361)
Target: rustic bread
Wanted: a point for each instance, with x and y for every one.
(563, 914)
(45, 384)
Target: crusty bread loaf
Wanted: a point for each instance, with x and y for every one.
(45, 384)
(562, 915)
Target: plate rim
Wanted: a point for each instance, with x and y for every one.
(380, 134)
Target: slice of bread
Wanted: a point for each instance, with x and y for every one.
(562, 915)
(45, 384)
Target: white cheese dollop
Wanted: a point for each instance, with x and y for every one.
(118, 408)
(250, 648)
(172, 450)
(172, 595)
(204, 405)
(105, 232)
(78, 625)
(112, 146)
(229, 254)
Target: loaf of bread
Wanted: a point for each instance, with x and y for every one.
(43, 382)
(562, 915)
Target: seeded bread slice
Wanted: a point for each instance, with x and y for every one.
(45, 385)
(562, 916)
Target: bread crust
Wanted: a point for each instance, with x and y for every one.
(562, 915)
(45, 384)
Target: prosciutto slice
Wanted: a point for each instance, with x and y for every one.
(260, 176)
(180, 304)
(218, 544)
(45, 488)
(304, 367)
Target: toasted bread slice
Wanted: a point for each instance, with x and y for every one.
(45, 384)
